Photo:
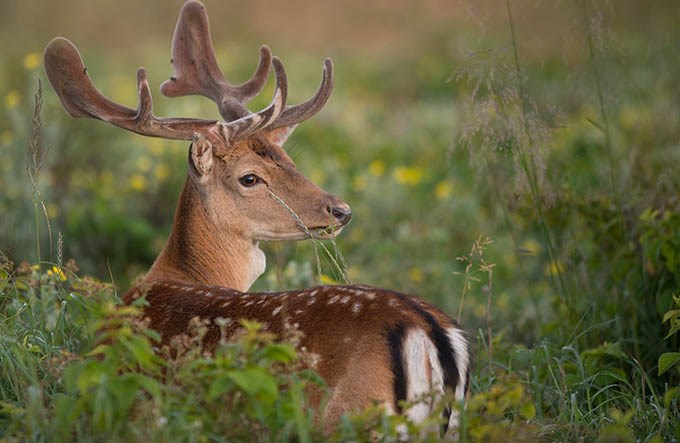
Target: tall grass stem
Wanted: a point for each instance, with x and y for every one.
(37, 154)
(530, 171)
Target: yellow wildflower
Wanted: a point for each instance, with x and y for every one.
(530, 247)
(12, 99)
(554, 268)
(443, 189)
(138, 182)
(57, 271)
(161, 172)
(31, 61)
(377, 168)
(327, 280)
(52, 210)
(416, 274)
(407, 175)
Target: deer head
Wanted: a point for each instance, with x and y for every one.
(241, 186)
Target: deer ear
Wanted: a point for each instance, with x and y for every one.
(201, 154)
(279, 136)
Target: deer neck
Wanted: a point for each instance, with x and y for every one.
(197, 251)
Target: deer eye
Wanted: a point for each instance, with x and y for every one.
(249, 180)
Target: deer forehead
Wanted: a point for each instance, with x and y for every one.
(256, 149)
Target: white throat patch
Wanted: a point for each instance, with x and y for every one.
(257, 262)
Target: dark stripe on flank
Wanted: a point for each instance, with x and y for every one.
(395, 339)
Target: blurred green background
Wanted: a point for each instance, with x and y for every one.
(553, 130)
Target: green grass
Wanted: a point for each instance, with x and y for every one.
(535, 195)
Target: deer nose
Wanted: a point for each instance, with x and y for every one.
(341, 212)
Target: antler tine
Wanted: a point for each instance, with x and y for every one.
(256, 121)
(293, 115)
(68, 76)
(196, 69)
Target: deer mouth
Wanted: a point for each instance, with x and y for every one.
(325, 232)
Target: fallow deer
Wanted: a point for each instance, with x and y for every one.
(371, 345)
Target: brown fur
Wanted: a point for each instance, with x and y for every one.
(344, 327)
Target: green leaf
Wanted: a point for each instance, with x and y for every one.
(280, 352)
(670, 315)
(124, 389)
(668, 360)
(609, 376)
(142, 352)
(149, 384)
(671, 395)
(10, 408)
(218, 387)
(66, 410)
(594, 123)
(675, 327)
(606, 349)
(4, 279)
(255, 382)
(99, 350)
(89, 374)
(528, 411)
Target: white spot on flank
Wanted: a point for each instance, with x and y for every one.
(356, 307)
(333, 299)
(208, 294)
(225, 304)
(313, 293)
(276, 310)
(250, 303)
(392, 303)
(298, 311)
(368, 295)
(311, 300)
(345, 299)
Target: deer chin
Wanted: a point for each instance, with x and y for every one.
(317, 233)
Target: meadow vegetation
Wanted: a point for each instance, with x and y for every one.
(518, 167)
